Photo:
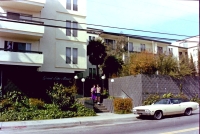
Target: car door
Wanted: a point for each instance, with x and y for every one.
(175, 106)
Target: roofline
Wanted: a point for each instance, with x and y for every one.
(187, 38)
(135, 37)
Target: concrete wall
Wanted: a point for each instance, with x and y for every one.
(138, 87)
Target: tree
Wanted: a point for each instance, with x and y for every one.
(112, 66)
(96, 52)
(142, 63)
(166, 64)
(192, 65)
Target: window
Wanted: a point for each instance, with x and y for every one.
(110, 42)
(180, 53)
(70, 25)
(130, 45)
(18, 16)
(69, 4)
(17, 46)
(75, 55)
(142, 47)
(91, 38)
(92, 72)
(75, 25)
(68, 30)
(170, 50)
(186, 53)
(159, 50)
(75, 5)
(71, 57)
(68, 55)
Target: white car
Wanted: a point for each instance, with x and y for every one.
(165, 107)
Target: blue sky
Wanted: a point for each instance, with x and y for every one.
(168, 16)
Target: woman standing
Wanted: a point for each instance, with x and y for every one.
(93, 93)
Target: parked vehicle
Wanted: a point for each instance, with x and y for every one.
(165, 107)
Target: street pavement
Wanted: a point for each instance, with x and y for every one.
(66, 122)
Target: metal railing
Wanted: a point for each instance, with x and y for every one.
(22, 51)
(4, 17)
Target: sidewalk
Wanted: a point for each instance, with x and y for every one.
(66, 122)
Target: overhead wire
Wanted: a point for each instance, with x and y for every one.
(112, 27)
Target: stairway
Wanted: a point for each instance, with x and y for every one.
(100, 108)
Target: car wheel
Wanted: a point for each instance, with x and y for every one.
(188, 111)
(158, 115)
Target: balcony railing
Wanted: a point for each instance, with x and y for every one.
(3, 17)
(22, 51)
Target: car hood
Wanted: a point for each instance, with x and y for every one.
(150, 106)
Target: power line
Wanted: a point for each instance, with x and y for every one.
(112, 27)
(80, 29)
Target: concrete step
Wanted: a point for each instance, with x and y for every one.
(100, 108)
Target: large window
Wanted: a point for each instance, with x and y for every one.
(75, 31)
(75, 5)
(75, 55)
(159, 50)
(71, 55)
(19, 16)
(69, 5)
(142, 47)
(92, 72)
(68, 30)
(17, 46)
(110, 42)
(70, 25)
(91, 38)
(130, 46)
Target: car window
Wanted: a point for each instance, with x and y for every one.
(163, 101)
(175, 101)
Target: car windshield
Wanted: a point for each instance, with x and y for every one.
(163, 101)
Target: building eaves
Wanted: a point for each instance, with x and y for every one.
(136, 37)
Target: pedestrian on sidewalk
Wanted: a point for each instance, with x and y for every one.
(94, 93)
(98, 94)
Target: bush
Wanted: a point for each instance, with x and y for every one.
(81, 110)
(62, 96)
(35, 103)
(152, 98)
(195, 99)
(123, 106)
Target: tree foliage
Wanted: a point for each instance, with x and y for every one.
(112, 66)
(96, 52)
(142, 63)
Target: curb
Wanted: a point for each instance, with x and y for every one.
(63, 123)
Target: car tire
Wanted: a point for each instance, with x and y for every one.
(188, 112)
(158, 115)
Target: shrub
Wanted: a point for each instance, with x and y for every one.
(35, 103)
(195, 99)
(62, 96)
(123, 106)
(152, 98)
(168, 95)
(81, 110)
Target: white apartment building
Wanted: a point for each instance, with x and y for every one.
(41, 41)
(187, 47)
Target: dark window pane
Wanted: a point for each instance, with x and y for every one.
(75, 56)
(75, 31)
(14, 16)
(68, 55)
(90, 72)
(75, 5)
(68, 26)
(69, 4)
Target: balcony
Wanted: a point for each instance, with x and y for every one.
(28, 5)
(25, 58)
(21, 28)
